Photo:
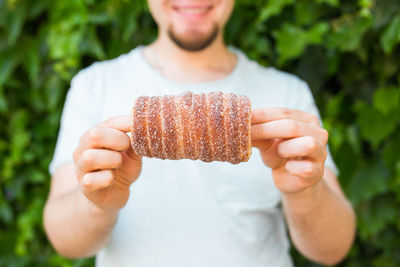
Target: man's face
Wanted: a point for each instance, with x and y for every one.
(191, 24)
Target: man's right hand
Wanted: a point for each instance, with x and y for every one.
(106, 165)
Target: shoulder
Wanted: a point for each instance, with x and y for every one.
(93, 83)
(283, 88)
(270, 75)
(102, 70)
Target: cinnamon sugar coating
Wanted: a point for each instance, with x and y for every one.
(209, 127)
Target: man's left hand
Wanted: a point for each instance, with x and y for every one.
(293, 144)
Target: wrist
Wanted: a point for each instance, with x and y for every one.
(93, 209)
(306, 200)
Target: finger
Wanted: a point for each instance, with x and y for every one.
(303, 168)
(132, 154)
(121, 123)
(285, 128)
(272, 114)
(262, 145)
(270, 153)
(304, 146)
(98, 159)
(102, 137)
(93, 181)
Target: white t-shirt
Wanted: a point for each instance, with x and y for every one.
(185, 212)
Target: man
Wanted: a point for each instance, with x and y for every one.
(191, 213)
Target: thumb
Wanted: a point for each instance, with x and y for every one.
(132, 154)
(122, 123)
(131, 167)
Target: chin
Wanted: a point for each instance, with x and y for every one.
(194, 40)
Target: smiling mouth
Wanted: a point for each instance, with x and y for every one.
(192, 10)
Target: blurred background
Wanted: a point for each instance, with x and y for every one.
(348, 51)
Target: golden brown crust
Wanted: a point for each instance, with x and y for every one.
(169, 129)
(212, 127)
(187, 122)
(199, 123)
(232, 131)
(139, 135)
(204, 125)
(244, 122)
(154, 125)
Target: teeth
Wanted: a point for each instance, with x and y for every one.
(193, 10)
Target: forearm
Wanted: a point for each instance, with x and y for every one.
(321, 223)
(75, 227)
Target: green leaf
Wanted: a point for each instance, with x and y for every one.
(353, 138)
(32, 59)
(334, 3)
(273, 7)
(9, 59)
(384, 261)
(374, 126)
(317, 32)
(26, 225)
(336, 138)
(16, 21)
(129, 26)
(100, 18)
(3, 101)
(334, 105)
(91, 45)
(391, 35)
(370, 181)
(374, 215)
(391, 152)
(37, 8)
(348, 33)
(292, 40)
(307, 13)
(384, 11)
(387, 100)
(37, 177)
(358, 54)
(6, 213)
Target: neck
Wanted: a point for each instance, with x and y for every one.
(211, 63)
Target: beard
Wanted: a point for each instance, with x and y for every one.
(194, 41)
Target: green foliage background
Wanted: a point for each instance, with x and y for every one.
(348, 51)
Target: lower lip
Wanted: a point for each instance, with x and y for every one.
(192, 15)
